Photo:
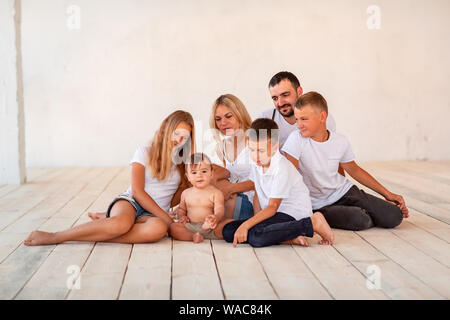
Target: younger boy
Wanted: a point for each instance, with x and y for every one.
(201, 207)
(317, 152)
(283, 212)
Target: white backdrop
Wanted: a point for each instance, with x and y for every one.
(99, 76)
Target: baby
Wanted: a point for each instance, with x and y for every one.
(201, 207)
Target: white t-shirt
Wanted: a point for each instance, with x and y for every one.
(161, 191)
(318, 163)
(282, 180)
(285, 128)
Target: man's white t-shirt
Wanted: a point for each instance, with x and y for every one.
(285, 128)
(282, 181)
(318, 163)
(160, 191)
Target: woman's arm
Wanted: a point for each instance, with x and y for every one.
(142, 197)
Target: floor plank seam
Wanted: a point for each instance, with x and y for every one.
(400, 266)
(314, 275)
(265, 273)
(34, 272)
(217, 269)
(171, 269)
(125, 273)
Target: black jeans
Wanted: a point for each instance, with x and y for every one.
(357, 210)
(278, 228)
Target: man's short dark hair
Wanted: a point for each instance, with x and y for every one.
(262, 129)
(276, 79)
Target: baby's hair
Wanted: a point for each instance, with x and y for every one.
(314, 99)
(195, 160)
(262, 129)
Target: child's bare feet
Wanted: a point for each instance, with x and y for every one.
(96, 215)
(37, 238)
(197, 238)
(321, 227)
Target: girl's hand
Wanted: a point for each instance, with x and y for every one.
(240, 235)
(399, 202)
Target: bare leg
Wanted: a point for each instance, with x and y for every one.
(121, 220)
(178, 231)
(229, 207)
(219, 228)
(145, 230)
(97, 215)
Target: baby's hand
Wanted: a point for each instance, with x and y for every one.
(183, 219)
(210, 222)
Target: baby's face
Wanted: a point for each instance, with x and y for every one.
(200, 175)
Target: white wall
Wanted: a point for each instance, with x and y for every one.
(93, 94)
(12, 147)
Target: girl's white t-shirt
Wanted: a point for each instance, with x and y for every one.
(282, 181)
(318, 163)
(160, 191)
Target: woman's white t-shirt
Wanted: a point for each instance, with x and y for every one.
(318, 163)
(160, 191)
(282, 181)
(239, 169)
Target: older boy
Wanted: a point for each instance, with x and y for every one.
(317, 153)
(283, 212)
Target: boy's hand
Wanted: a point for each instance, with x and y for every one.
(399, 202)
(240, 235)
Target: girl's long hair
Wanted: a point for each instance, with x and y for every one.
(162, 154)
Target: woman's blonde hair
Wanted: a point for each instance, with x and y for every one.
(161, 151)
(237, 108)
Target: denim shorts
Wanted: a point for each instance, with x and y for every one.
(243, 208)
(140, 212)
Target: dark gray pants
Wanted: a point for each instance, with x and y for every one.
(357, 210)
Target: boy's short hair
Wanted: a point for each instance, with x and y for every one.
(263, 128)
(280, 76)
(314, 99)
(195, 160)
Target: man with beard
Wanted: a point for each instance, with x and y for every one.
(285, 89)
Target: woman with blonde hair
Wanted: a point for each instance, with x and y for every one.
(140, 214)
(230, 121)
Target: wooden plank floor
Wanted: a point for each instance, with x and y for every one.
(409, 262)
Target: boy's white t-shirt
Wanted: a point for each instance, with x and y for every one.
(160, 191)
(282, 180)
(318, 163)
(285, 128)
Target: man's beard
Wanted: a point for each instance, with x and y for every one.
(286, 115)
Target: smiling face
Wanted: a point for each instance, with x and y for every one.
(284, 96)
(225, 120)
(181, 134)
(199, 175)
(309, 120)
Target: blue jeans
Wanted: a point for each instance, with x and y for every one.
(243, 208)
(278, 228)
(140, 212)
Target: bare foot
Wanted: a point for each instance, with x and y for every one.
(299, 241)
(96, 215)
(321, 227)
(197, 238)
(37, 238)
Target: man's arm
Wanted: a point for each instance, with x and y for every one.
(363, 177)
